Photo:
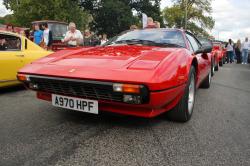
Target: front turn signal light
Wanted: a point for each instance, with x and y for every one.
(23, 77)
(127, 88)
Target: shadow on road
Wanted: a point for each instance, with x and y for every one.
(11, 89)
(113, 119)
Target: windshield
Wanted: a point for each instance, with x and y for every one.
(216, 44)
(58, 30)
(168, 38)
(206, 42)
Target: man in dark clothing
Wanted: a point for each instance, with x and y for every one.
(47, 36)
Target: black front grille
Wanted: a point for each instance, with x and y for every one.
(77, 88)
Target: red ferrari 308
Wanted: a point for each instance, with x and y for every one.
(142, 73)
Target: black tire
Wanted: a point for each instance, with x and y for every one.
(224, 60)
(221, 63)
(206, 83)
(216, 68)
(181, 112)
(212, 68)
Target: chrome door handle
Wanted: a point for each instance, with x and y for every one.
(20, 55)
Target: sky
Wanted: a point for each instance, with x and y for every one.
(232, 18)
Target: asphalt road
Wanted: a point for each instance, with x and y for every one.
(33, 133)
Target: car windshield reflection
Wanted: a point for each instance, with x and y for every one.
(168, 38)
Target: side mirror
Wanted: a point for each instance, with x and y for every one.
(204, 50)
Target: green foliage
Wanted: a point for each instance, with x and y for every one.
(198, 19)
(149, 7)
(107, 16)
(26, 11)
(115, 16)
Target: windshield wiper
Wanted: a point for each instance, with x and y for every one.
(147, 42)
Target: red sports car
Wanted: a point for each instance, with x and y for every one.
(216, 54)
(142, 73)
(218, 49)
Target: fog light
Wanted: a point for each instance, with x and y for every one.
(132, 99)
(33, 86)
(117, 87)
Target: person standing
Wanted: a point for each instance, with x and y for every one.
(238, 51)
(73, 37)
(47, 36)
(157, 24)
(104, 39)
(87, 38)
(3, 45)
(245, 48)
(38, 35)
(150, 23)
(10, 28)
(230, 51)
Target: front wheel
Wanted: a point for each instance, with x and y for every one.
(224, 60)
(216, 68)
(182, 112)
(221, 62)
(212, 67)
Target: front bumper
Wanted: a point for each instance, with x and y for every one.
(160, 102)
(152, 103)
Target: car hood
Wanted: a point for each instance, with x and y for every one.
(113, 57)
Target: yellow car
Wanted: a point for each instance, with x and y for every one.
(15, 52)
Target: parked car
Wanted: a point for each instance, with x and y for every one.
(214, 54)
(218, 48)
(16, 52)
(142, 73)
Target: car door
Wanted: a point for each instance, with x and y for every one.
(33, 52)
(203, 60)
(11, 58)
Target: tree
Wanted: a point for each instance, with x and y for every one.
(149, 7)
(26, 11)
(113, 17)
(198, 15)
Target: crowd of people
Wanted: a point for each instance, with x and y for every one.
(150, 24)
(42, 35)
(238, 51)
(75, 38)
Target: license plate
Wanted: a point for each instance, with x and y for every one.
(73, 103)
